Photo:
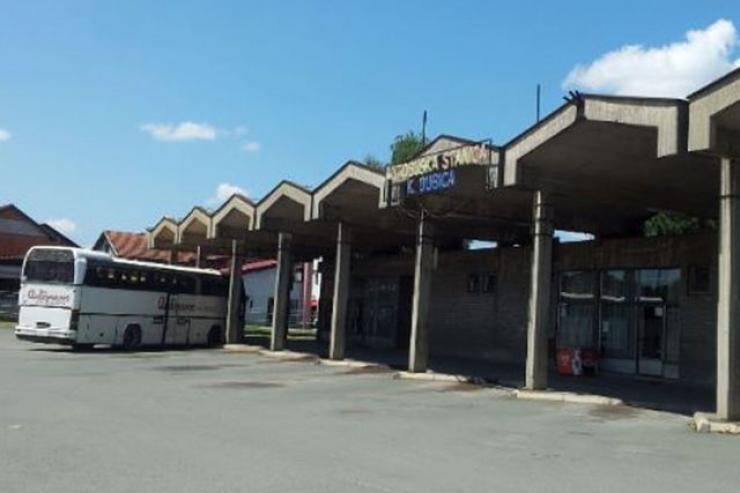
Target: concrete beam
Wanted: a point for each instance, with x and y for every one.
(234, 327)
(728, 305)
(666, 116)
(283, 277)
(705, 105)
(423, 266)
(539, 293)
(341, 293)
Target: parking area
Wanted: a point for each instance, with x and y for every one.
(211, 420)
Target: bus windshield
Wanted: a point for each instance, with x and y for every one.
(52, 266)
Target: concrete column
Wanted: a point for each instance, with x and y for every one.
(234, 328)
(283, 278)
(728, 303)
(199, 257)
(341, 293)
(539, 293)
(423, 266)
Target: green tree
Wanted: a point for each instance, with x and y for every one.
(374, 162)
(405, 147)
(670, 223)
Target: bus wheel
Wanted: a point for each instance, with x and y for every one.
(131, 338)
(215, 338)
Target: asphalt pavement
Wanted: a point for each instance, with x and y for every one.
(210, 420)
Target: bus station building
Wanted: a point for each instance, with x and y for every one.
(397, 274)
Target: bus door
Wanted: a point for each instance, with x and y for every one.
(178, 321)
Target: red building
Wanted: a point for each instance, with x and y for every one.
(18, 233)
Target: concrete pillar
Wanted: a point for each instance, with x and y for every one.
(423, 266)
(234, 328)
(307, 294)
(728, 303)
(283, 278)
(341, 293)
(539, 293)
(199, 257)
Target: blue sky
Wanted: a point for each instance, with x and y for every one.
(113, 114)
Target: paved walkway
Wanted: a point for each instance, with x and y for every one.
(657, 394)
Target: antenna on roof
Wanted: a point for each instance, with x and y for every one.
(538, 102)
(424, 129)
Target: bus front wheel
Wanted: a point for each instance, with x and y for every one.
(131, 338)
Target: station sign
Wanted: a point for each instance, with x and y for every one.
(429, 183)
(464, 155)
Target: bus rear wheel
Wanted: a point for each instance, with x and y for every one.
(215, 337)
(131, 338)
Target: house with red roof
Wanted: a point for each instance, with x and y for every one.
(18, 233)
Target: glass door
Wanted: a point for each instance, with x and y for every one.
(658, 291)
(651, 335)
(617, 322)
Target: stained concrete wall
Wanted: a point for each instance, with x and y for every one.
(493, 325)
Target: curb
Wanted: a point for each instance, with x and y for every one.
(567, 397)
(241, 348)
(346, 363)
(709, 423)
(431, 376)
(287, 355)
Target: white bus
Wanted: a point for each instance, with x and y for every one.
(83, 297)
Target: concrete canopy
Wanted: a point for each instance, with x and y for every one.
(193, 229)
(355, 195)
(610, 162)
(163, 235)
(233, 219)
(287, 201)
(287, 209)
(714, 117)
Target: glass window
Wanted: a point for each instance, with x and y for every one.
(489, 282)
(615, 286)
(576, 325)
(617, 331)
(659, 285)
(53, 266)
(699, 280)
(577, 285)
(473, 283)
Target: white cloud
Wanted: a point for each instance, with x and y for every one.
(64, 226)
(223, 192)
(4, 135)
(174, 132)
(251, 147)
(673, 70)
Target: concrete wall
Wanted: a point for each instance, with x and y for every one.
(493, 325)
(259, 286)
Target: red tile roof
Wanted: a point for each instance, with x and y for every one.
(134, 246)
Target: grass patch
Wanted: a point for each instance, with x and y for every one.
(6, 324)
(294, 333)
